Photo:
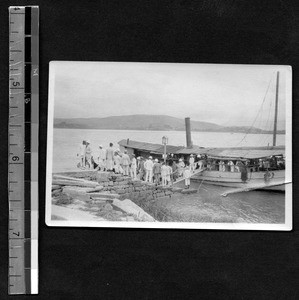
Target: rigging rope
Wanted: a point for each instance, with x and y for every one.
(261, 107)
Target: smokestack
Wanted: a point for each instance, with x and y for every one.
(188, 133)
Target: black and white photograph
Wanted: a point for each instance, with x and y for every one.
(169, 145)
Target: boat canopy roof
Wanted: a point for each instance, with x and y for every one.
(244, 153)
(217, 153)
(237, 152)
(148, 147)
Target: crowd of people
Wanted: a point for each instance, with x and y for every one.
(148, 169)
(158, 171)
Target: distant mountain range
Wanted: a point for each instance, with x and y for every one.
(149, 122)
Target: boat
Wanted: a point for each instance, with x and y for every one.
(245, 168)
(259, 167)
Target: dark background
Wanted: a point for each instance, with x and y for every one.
(157, 264)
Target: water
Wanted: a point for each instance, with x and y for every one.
(66, 141)
(208, 205)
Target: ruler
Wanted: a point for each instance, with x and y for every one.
(23, 149)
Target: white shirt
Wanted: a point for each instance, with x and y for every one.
(164, 170)
(134, 163)
(82, 149)
(102, 154)
(148, 165)
(187, 173)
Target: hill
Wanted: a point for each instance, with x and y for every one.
(145, 122)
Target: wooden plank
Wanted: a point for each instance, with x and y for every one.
(90, 184)
(71, 178)
(248, 188)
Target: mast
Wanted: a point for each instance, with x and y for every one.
(276, 110)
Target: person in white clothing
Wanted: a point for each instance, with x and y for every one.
(168, 177)
(164, 172)
(117, 162)
(109, 158)
(133, 169)
(192, 163)
(232, 166)
(148, 165)
(88, 152)
(187, 175)
(81, 154)
(102, 158)
(181, 166)
(125, 163)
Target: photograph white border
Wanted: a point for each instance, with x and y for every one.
(287, 226)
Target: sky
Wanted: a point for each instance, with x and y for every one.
(228, 95)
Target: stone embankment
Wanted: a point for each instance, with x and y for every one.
(111, 196)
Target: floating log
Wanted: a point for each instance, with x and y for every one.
(250, 187)
(90, 184)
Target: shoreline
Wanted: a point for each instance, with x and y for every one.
(173, 130)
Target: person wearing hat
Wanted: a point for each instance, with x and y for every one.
(88, 152)
(157, 171)
(133, 169)
(102, 158)
(109, 158)
(148, 165)
(125, 162)
(191, 163)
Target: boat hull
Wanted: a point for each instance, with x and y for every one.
(233, 179)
